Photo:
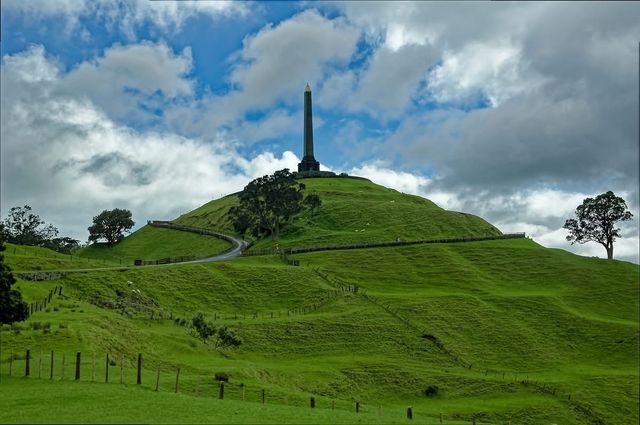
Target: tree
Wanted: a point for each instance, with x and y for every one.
(111, 226)
(23, 227)
(596, 219)
(12, 308)
(313, 202)
(65, 244)
(267, 203)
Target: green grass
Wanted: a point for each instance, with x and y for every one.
(354, 210)
(35, 258)
(152, 243)
(524, 333)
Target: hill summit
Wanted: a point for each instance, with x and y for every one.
(353, 210)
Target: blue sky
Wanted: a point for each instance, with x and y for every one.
(512, 111)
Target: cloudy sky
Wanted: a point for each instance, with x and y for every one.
(512, 111)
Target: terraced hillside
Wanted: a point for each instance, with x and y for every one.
(354, 210)
(491, 331)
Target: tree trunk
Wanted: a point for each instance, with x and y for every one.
(609, 252)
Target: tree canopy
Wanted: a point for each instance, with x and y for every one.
(12, 308)
(595, 222)
(111, 226)
(267, 203)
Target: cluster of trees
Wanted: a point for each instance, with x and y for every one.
(23, 227)
(222, 335)
(269, 202)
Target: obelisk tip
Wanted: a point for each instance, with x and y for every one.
(307, 88)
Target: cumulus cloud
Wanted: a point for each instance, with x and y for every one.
(125, 16)
(65, 157)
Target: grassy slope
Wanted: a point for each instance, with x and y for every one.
(355, 210)
(509, 306)
(35, 258)
(152, 243)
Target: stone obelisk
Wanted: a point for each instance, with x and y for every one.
(308, 163)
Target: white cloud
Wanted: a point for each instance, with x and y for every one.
(277, 62)
(494, 71)
(399, 180)
(126, 76)
(66, 158)
(127, 15)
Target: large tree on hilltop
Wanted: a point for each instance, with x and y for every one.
(595, 221)
(267, 203)
(111, 225)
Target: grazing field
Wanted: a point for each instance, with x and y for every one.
(36, 258)
(491, 331)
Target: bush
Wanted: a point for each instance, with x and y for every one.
(222, 376)
(112, 362)
(431, 391)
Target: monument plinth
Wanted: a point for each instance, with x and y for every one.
(309, 162)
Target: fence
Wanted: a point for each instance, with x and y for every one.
(301, 250)
(135, 369)
(130, 369)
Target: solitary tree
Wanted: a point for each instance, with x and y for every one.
(111, 226)
(12, 308)
(267, 203)
(596, 219)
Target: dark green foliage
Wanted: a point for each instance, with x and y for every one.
(64, 245)
(23, 227)
(267, 203)
(205, 329)
(222, 376)
(110, 226)
(431, 391)
(596, 219)
(313, 202)
(12, 308)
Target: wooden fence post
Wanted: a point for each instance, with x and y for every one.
(158, 379)
(312, 402)
(51, 372)
(409, 412)
(139, 379)
(122, 368)
(106, 370)
(62, 376)
(440, 417)
(26, 365)
(10, 364)
(333, 404)
(221, 391)
(177, 378)
(263, 396)
(78, 366)
(357, 407)
(243, 391)
(40, 365)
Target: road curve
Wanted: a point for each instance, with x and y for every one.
(239, 245)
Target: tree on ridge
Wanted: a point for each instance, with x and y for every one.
(595, 221)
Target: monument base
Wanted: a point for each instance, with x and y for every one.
(308, 163)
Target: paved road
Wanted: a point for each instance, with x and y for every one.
(238, 246)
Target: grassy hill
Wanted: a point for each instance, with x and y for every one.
(354, 210)
(36, 258)
(152, 243)
(499, 331)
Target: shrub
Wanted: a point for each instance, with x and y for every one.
(62, 325)
(112, 362)
(222, 376)
(36, 325)
(431, 391)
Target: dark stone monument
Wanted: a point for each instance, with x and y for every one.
(308, 163)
